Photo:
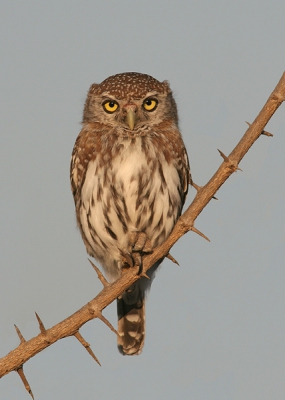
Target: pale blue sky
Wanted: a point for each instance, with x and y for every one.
(216, 324)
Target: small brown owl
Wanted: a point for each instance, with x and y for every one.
(129, 177)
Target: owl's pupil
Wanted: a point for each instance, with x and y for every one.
(148, 102)
(111, 104)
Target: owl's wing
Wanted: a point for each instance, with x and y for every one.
(183, 166)
(76, 177)
(186, 173)
(83, 152)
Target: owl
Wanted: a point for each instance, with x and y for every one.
(129, 178)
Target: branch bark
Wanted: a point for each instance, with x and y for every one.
(14, 360)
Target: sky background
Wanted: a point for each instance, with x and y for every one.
(216, 323)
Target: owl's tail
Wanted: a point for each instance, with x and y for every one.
(131, 320)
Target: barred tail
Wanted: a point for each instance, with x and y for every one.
(131, 321)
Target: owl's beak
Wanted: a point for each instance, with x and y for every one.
(131, 118)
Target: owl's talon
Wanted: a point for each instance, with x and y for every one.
(127, 260)
(138, 245)
(132, 240)
(138, 241)
(147, 247)
(137, 261)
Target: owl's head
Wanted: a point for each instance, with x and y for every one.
(130, 100)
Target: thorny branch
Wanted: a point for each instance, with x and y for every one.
(14, 360)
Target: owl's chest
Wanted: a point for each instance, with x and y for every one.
(134, 172)
(131, 166)
(137, 189)
(138, 168)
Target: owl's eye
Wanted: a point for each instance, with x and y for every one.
(110, 106)
(150, 104)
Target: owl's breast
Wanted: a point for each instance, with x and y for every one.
(138, 190)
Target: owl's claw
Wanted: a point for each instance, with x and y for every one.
(138, 245)
(127, 260)
(138, 241)
(137, 257)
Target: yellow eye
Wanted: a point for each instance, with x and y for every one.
(150, 104)
(110, 106)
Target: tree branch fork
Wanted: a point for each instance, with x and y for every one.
(15, 360)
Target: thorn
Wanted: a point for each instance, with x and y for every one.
(199, 233)
(144, 275)
(86, 345)
(41, 325)
(263, 132)
(21, 337)
(101, 277)
(169, 256)
(24, 380)
(195, 186)
(226, 159)
(103, 319)
(266, 133)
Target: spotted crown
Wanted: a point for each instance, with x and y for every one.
(130, 84)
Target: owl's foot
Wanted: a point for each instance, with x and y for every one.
(138, 245)
(138, 241)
